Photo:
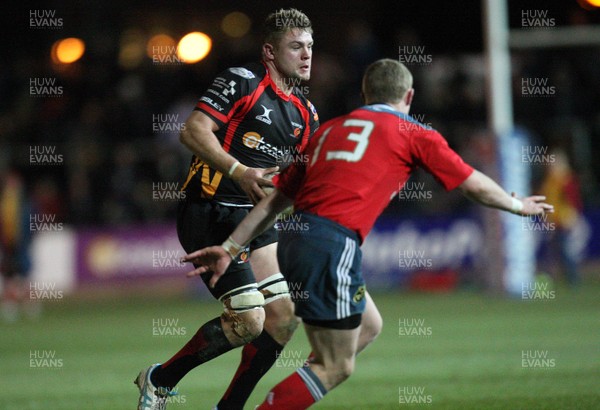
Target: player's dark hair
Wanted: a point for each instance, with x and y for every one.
(278, 22)
(386, 80)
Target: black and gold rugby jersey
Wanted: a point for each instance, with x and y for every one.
(258, 125)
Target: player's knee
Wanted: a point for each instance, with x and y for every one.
(341, 371)
(251, 324)
(245, 326)
(245, 312)
(347, 369)
(280, 319)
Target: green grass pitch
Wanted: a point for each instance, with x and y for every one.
(451, 351)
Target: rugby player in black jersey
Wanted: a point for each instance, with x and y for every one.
(244, 126)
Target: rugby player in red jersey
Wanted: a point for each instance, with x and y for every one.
(354, 166)
(246, 124)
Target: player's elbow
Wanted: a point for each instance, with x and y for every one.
(185, 136)
(198, 137)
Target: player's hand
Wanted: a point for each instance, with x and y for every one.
(213, 258)
(254, 182)
(534, 205)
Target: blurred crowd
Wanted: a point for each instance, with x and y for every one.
(108, 154)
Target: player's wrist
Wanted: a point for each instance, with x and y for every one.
(232, 247)
(516, 206)
(237, 170)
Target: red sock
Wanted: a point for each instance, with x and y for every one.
(298, 392)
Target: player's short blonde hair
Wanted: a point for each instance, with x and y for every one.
(278, 22)
(386, 80)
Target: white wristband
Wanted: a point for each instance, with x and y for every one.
(233, 167)
(239, 168)
(517, 206)
(232, 247)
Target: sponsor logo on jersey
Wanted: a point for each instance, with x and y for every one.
(313, 110)
(264, 117)
(243, 257)
(226, 100)
(210, 102)
(231, 89)
(360, 294)
(242, 72)
(297, 129)
(253, 140)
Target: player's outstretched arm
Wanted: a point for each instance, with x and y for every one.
(218, 258)
(199, 137)
(484, 190)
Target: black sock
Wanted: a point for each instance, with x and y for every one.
(258, 357)
(208, 342)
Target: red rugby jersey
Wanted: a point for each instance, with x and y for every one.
(357, 162)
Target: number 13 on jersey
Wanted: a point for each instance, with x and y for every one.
(361, 138)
